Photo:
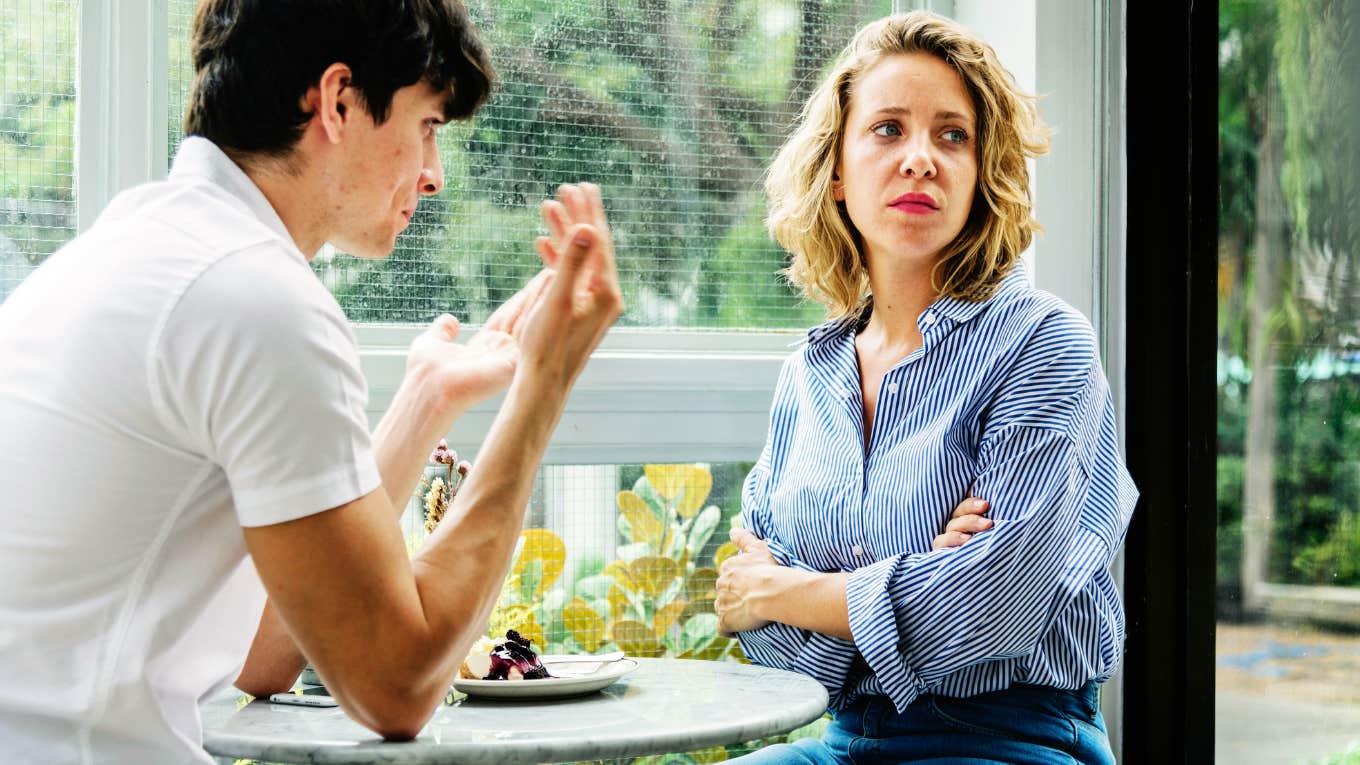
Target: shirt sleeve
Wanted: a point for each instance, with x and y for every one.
(257, 368)
(1060, 498)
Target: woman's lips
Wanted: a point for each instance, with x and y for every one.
(915, 204)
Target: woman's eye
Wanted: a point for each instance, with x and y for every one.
(955, 136)
(887, 129)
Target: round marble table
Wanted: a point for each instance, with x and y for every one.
(666, 705)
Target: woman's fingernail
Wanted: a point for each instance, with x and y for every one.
(979, 502)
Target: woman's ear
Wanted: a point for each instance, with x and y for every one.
(837, 188)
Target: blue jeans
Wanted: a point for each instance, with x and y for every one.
(1022, 725)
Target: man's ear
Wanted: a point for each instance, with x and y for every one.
(332, 102)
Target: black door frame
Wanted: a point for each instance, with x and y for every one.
(1170, 405)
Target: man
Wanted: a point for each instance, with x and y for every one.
(183, 410)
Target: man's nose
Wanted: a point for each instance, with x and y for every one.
(432, 175)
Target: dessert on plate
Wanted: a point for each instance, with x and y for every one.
(510, 659)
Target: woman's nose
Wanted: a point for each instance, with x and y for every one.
(917, 161)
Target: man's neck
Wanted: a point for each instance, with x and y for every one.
(294, 193)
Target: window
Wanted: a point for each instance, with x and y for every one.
(675, 110)
(1288, 590)
(37, 129)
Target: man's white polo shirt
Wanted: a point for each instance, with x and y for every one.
(170, 376)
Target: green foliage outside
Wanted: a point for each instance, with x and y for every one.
(654, 600)
(37, 120)
(1287, 108)
(1317, 511)
(1349, 757)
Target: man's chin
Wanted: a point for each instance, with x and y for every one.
(365, 251)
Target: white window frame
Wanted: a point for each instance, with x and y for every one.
(674, 395)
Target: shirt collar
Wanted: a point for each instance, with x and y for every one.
(957, 311)
(200, 157)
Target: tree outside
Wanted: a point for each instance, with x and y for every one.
(1288, 657)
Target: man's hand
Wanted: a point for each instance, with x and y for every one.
(461, 376)
(966, 521)
(584, 298)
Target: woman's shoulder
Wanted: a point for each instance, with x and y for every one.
(1039, 323)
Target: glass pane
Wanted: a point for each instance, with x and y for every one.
(652, 533)
(180, 23)
(675, 113)
(37, 129)
(1288, 646)
(615, 557)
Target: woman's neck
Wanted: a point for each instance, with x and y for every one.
(900, 297)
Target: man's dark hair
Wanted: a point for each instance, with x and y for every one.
(255, 59)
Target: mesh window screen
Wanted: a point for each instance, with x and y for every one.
(673, 108)
(37, 129)
(615, 556)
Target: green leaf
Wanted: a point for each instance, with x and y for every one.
(643, 488)
(594, 587)
(630, 553)
(529, 579)
(700, 627)
(704, 525)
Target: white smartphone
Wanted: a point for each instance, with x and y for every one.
(306, 697)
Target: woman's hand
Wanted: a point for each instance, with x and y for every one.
(742, 578)
(966, 521)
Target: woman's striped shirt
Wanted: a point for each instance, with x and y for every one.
(1005, 400)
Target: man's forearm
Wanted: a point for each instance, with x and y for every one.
(405, 436)
(401, 447)
(481, 529)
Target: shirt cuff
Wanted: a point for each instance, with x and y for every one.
(781, 553)
(873, 624)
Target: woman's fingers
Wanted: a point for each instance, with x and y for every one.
(971, 506)
(950, 539)
(970, 524)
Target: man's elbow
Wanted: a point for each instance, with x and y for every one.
(394, 716)
(262, 685)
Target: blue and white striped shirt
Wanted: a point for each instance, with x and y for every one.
(1006, 400)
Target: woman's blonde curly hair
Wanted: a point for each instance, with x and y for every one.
(827, 263)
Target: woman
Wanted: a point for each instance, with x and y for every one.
(903, 196)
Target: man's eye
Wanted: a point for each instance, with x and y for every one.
(887, 129)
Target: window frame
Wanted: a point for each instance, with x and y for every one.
(660, 395)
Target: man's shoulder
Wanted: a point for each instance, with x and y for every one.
(186, 212)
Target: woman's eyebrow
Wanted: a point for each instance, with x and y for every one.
(940, 115)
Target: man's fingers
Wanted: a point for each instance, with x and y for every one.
(571, 263)
(574, 199)
(969, 523)
(445, 327)
(971, 506)
(533, 295)
(555, 218)
(547, 252)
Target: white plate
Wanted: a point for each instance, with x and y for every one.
(569, 684)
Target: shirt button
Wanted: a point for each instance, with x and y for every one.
(857, 550)
(930, 317)
(847, 393)
(892, 387)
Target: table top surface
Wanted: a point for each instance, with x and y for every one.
(666, 705)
